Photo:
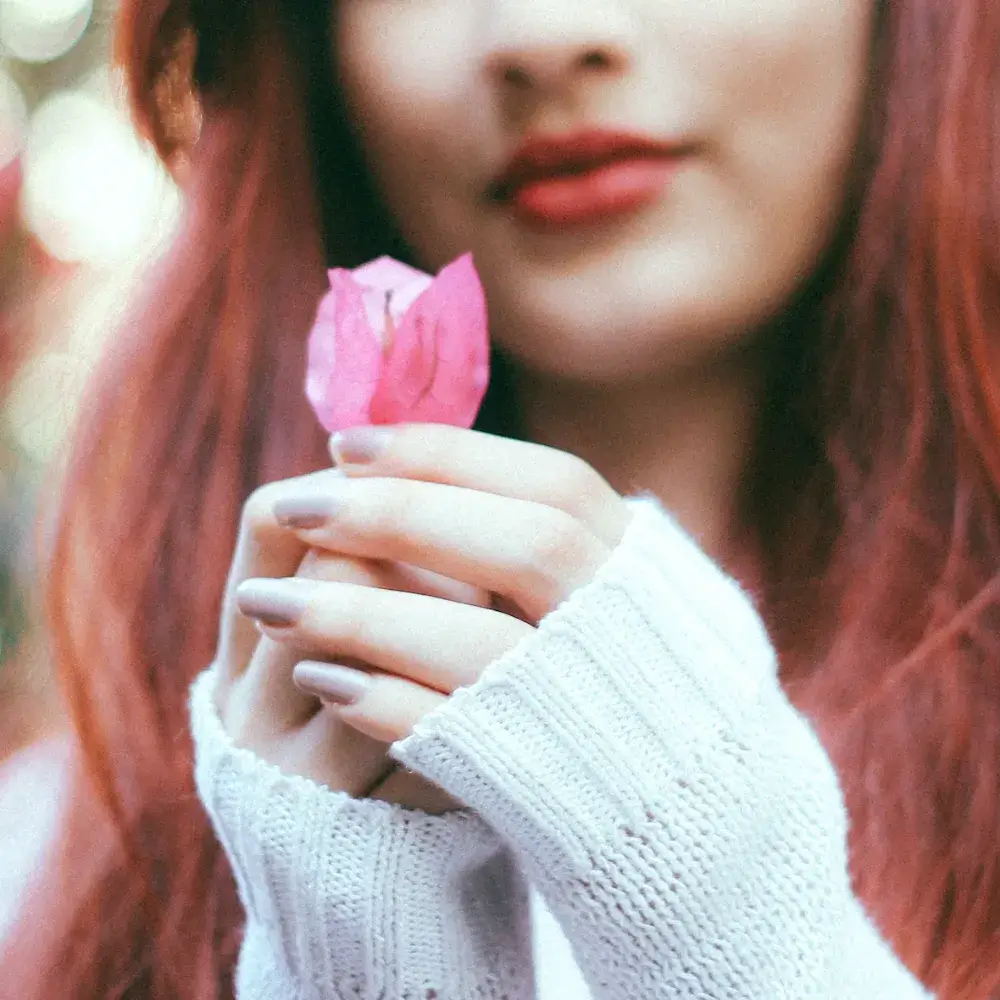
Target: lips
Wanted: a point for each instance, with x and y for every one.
(584, 177)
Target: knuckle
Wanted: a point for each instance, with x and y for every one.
(335, 568)
(334, 614)
(384, 510)
(558, 548)
(579, 484)
(353, 627)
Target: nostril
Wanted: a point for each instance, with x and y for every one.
(544, 66)
(595, 59)
(518, 77)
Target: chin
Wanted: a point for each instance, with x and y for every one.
(605, 356)
(625, 345)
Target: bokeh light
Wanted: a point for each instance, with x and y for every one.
(13, 119)
(42, 30)
(93, 193)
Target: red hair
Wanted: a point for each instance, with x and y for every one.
(874, 488)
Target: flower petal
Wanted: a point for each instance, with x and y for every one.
(344, 356)
(388, 276)
(387, 280)
(438, 366)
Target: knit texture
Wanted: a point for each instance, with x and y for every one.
(679, 816)
(358, 899)
(638, 756)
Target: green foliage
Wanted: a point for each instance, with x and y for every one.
(14, 510)
(12, 615)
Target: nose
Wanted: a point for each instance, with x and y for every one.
(551, 45)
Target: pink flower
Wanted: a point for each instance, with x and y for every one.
(391, 345)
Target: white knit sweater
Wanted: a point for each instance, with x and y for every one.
(634, 760)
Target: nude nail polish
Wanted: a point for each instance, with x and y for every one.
(271, 602)
(359, 445)
(332, 683)
(306, 512)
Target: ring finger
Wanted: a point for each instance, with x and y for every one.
(439, 644)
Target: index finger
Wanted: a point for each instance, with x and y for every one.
(455, 456)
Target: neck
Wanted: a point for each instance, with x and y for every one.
(686, 438)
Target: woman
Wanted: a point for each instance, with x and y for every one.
(773, 315)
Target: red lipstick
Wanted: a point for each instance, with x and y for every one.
(583, 178)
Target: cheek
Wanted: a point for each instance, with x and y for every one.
(795, 80)
(406, 107)
(781, 86)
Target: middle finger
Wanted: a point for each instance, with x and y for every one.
(437, 643)
(531, 553)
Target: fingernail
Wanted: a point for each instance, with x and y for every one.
(305, 512)
(271, 602)
(358, 445)
(329, 682)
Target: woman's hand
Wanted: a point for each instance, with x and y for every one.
(524, 524)
(258, 704)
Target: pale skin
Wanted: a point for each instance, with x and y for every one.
(449, 547)
(423, 502)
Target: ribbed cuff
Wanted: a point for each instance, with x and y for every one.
(622, 692)
(678, 814)
(358, 898)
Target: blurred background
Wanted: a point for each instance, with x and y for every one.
(84, 205)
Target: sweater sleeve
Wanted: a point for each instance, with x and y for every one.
(358, 899)
(677, 813)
